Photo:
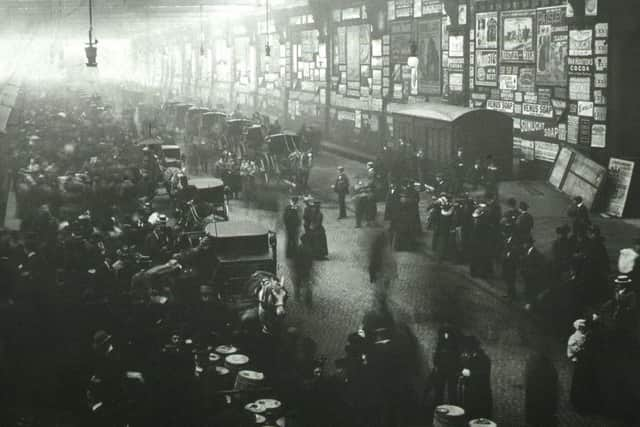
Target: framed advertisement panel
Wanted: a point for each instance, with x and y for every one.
(517, 36)
(552, 46)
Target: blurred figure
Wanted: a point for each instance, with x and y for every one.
(341, 187)
(541, 391)
(292, 222)
(446, 366)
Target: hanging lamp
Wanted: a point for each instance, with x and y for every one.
(91, 50)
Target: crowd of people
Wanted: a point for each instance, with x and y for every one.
(117, 293)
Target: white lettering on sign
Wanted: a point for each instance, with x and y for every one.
(530, 97)
(537, 110)
(502, 106)
(527, 126)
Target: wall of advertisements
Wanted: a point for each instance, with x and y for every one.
(537, 66)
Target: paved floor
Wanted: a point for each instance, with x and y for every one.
(425, 295)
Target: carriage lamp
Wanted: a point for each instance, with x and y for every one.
(413, 60)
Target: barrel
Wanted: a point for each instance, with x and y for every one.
(255, 408)
(236, 362)
(249, 380)
(225, 350)
(448, 416)
(482, 422)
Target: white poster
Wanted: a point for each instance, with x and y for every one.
(598, 135)
(456, 46)
(591, 7)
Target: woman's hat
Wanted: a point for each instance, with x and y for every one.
(579, 324)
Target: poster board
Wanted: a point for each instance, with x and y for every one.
(560, 167)
(619, 175)
(576, 175)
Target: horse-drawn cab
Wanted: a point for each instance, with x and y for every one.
(236, 131)
(213, 124)
(212, 192)
(171, 156)
(285, 160)
(240, 249)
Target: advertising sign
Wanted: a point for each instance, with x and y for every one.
(579, 88)
(580, 65)
(486, 68)
(456, 46)
(620, 173)
(527, 79)
(552, 46)
(585, 108)
(508, 82)
(516, 43)
(598, 135)
(572, 129)
(502, 106)
(537, 110)
(487, 30)
(580, 42)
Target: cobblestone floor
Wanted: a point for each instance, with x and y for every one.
(425, 295)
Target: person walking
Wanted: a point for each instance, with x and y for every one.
(524, 223)
(579, 216)
(292, 222)
(341, 187)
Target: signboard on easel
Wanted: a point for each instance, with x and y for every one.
(620, 174)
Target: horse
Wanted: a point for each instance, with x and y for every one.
(271, 297)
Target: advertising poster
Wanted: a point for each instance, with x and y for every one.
(508, 82)
(591, 7)
(456, 46)
(431, 7)
(400, 42)
(353, 54)
(526, 79)
(487, 30)
(429, 52)
(456, 82)
(517, 37)
(552, 46)
(486, 68)
(598, 135)
(601, 47)
(446, 21)
(620, 173)
(580, 42)
(579, 88)
(572, 129)
(341, 50)
(602, 30)
(584, 131)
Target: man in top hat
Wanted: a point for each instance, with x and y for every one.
(341, 187)
(579, 215)
(533, 270)
(292, 222)
(524, 223)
